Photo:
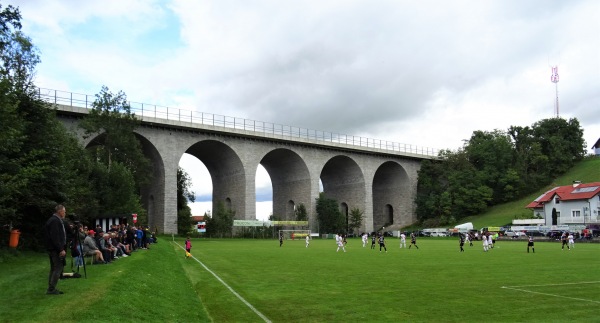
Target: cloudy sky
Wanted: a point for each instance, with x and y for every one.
(426, 73)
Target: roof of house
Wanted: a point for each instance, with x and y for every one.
(197, 218)
(597, 144)
(567, 193)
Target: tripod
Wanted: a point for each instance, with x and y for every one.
(80, 249)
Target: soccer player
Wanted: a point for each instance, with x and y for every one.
(188, 248)
(485, 243)
(413, 240)
(571, 241)
(490, 241)
(307, 240)
(461, 242)
(563, 239)
(364, 239)
(373, 242)
(340, 243)
(280, 239)
(402, 240)
(468, 239)
(382, 243)
(530, 244)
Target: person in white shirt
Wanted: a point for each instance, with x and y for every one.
(307, 240)
(364, 239)
(485, 242)
(491, 241)
(340, 243)
(571, 241)
(402, 240)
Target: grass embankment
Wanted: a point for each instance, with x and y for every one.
(585, 171)
(151, 285)
(315, 284)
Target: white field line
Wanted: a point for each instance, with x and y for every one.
(520, 288)
(261, 315)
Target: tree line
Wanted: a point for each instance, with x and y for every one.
(496, 167)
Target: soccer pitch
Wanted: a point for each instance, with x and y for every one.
(257, 281)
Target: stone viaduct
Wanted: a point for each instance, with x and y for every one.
(377, 177)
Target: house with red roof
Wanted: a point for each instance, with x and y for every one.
(573, 204)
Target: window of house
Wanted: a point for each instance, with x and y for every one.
(576, 213)
(556, 200)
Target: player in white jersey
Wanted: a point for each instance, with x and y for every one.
(485, 242)
(340, 243)
(307, 240)
(402, 240)
(468, 239)
(364, 239)
(571, 241)
(490, 241)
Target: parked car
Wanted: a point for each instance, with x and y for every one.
(535, 233)
(514, 234)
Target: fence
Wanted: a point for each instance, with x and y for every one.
(259, 127)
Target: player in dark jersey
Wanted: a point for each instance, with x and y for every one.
(373, 241)
(563, 239)
(382, 243)
(530, 244)
(461, 242)
(413, 241)
(280, 239)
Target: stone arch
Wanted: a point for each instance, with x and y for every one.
(153, 195)
(290, 179)
(391, 203)
(227, 174)
(343, 180)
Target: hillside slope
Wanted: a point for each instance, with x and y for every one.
(586, 171)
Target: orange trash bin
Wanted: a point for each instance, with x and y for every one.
(14, 238)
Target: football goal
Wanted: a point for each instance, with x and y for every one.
(294, 234)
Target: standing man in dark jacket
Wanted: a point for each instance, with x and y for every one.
(56, 241)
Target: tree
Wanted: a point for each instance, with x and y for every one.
(491, 153)
(18, 54)
(301, 214)
(36, 153)
(184, 213)
(560, 140)
(356, 219)
(112, 121)
(331, 220)
(221, 223)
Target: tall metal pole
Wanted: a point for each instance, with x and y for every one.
(554, 78)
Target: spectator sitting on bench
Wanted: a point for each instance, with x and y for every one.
(90, 248)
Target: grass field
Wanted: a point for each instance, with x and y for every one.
(256, 281)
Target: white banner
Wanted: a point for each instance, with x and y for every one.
(251, 223)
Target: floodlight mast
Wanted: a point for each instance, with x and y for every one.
(554, 79)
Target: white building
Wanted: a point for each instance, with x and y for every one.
(573, 204)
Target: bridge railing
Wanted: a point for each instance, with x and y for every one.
(259, 127)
